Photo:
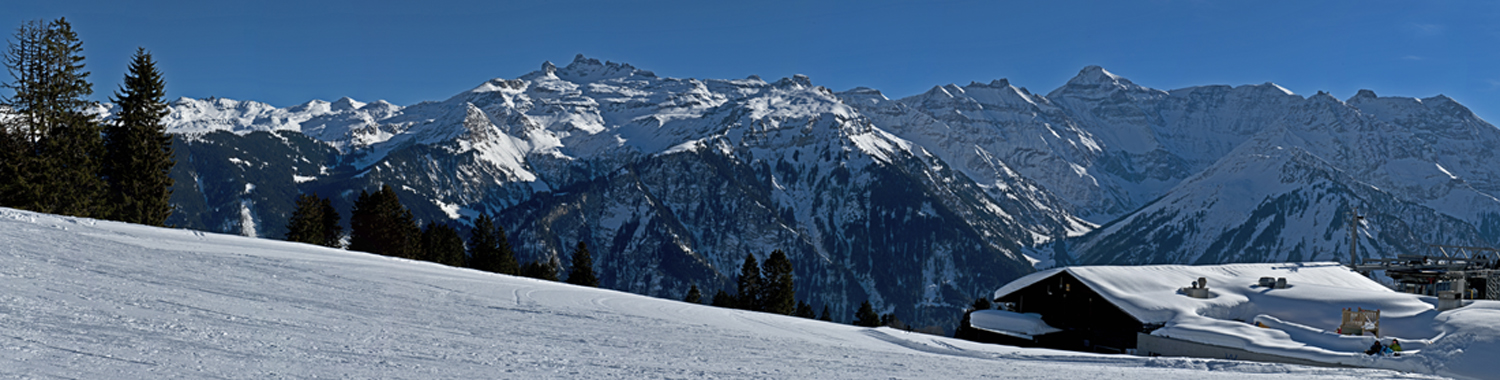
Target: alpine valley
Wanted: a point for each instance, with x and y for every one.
(918, 205)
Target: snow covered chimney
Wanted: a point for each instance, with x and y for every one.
(1198, 289)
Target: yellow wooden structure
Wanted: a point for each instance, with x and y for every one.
(1360, 321)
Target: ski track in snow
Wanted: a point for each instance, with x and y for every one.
(94, 299)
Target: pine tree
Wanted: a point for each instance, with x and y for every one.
(380, 224)
(19, 160)
(505, 260)
(582, 272)
(827, 315)
(306, 223)
(315, 221)
(778, 292)
(982, 303)
(723, 299)
(693, 295)
(482, 244)
(14, 151)
(890, 320)
(58, 164)
(749, 285)
(866, 316)
(441, 244)
(488, 248)
(805, 310)
(333, 233)
(139, 151)
(545, 269)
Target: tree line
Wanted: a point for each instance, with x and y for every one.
(771, 288)
(58, 156)
(380, 224)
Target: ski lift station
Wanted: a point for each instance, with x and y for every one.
(1324, 314)
(1450, 273)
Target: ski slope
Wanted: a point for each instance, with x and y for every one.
(81, 298)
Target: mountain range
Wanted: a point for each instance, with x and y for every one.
(918, 204)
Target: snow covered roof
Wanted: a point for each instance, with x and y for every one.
(1299, 321)
(1019, 325)
(1149, 293)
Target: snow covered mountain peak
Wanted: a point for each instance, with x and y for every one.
(1094, 81)
(585, 69)
(1363, 94)
(1271, 88)
(346, 104)
(862, 95)
(795, 80)
(500, 84)
(1324, 97)
(975, 98)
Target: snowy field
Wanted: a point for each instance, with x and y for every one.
(102, 300)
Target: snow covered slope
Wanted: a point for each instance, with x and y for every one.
(1420, 173)
(1269, 201)
(92, 299)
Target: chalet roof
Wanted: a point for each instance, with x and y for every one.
(1149, 293)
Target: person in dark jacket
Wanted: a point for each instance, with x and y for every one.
(1375, 348)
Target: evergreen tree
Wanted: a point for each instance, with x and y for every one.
(583, 268)
(306, 223)
(489, 250)
(890, 320)
(380, 224)
(866, 316)
(827, 315)
(749, 285)
(18, 150)
(138, 148)
(333, 233)
(14, 153)
(982, 303)
(805, 310)
(723, 299)
(314, 222)
(483, 251)
(505, 260)
(778, 293)
(541, 269)
(441, 244)
(693, 295)
(57, 164)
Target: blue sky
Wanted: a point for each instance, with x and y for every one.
(289, 52)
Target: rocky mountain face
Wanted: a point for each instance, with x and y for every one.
(917, 204)
(671, 182)
(1168, 173)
